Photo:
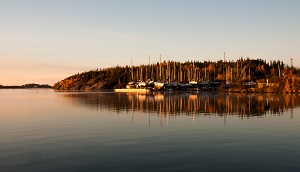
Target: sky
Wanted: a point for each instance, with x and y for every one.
(44, 41)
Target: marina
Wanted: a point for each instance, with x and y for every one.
(150, 86)
(158, 86)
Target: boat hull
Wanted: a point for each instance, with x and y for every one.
(135, 90)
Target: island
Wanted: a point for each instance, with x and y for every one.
(242, 75)
(32, 85)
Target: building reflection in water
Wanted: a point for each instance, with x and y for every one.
(190, 104)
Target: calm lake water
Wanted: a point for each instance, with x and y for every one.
(44, 130)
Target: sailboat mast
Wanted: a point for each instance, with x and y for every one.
(141, 71)
(131, 70)
(167, 73)
(160, 66)
(147, 70)
(169, 76)
(174, 71)
(152, 77)
(193, 69)
(180, 72)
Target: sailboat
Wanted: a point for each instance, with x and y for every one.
(133, 86)
(158, 85)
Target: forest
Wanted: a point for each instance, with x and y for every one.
(271, 76)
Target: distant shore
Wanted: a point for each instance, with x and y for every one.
(25, 86)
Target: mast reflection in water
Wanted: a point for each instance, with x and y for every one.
(195, 104)
(44, 130)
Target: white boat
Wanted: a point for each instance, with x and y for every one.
(133, 87)
(141, 84)
(158, 85)
(130, 85)
(131, 90)
(193, 82)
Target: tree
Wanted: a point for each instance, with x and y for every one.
(287, 87)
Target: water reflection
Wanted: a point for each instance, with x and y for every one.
(242, 105)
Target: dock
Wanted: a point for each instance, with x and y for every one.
(133, 90)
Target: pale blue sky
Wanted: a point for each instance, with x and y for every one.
(46, 41)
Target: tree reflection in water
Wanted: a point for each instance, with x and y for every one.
(178, 103)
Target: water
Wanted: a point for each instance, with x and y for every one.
(43, 130)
